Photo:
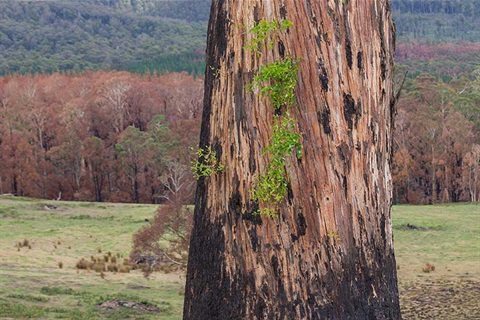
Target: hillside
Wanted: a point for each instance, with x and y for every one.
(437, 21)
(147, 35)
(49, 36)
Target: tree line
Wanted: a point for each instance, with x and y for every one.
(437, 20)
(98, 136)
(437, 156)
(118, 136)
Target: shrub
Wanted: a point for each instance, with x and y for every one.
(172, 224)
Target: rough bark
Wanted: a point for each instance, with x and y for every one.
(329, 254)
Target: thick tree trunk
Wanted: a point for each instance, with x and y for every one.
(329, 254)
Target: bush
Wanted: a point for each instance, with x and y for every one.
(172, 225)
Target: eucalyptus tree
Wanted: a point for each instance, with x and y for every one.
(292, 210)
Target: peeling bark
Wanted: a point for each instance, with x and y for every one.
(329, 254)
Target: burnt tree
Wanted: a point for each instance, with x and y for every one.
(329, 252)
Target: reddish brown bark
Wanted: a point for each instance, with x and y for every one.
(329, 254)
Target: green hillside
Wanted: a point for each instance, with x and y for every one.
(147, 35)
(49, 36)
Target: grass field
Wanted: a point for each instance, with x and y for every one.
(34, 286)
(447, 237)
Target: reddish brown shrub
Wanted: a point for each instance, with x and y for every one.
(174, 220)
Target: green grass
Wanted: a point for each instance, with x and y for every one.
(33, 286)
(448, 236)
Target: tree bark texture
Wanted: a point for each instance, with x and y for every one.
(329, 254)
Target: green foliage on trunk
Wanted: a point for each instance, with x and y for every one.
(277, 81)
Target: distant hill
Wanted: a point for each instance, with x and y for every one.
(56, 35)
(146, 35)
(437, 20)
(196, 10)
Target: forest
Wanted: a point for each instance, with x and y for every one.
(121, 137)
(99, 136)
(51, 36)
(146, 35)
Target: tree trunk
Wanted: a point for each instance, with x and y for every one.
(329, 253)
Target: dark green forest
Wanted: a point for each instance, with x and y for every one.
(51, 36)
(151, 35)
(437, 20)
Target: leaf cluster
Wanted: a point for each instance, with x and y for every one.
(277, 80)
(272, 186)
(207, 163)
(262, 34)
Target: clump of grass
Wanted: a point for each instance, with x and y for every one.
(99, 250)
(124, 269)
(60, 265)
(98, 267)
(112, 267)
(83, 264)
(21, 244)
(13, 310)
(28, 297)
(52, 291)
(428, 268)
